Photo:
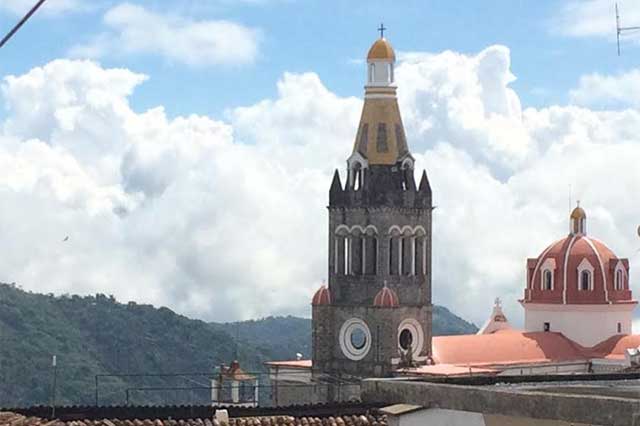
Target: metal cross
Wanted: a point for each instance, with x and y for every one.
(381, 29)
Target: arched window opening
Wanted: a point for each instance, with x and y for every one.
(619, 279)
(371, 255)
(394, 256)
(356, 176)
(338, 261)
(357, 248)
(372, 72)
(392, 77)
(619, 328)
(417, 256)
(548, 280)
(585, 280)
(406, 263)
(347, 255)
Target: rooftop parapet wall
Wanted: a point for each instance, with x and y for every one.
(593, 409)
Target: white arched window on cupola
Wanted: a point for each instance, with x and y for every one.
(619, 276)
(585, 276)
(547, 276)
(547, 280)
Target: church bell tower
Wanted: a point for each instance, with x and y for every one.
(375, 315)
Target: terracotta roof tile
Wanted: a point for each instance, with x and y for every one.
(12, 419)
(506, 347)
(448, 370)
(302, 363)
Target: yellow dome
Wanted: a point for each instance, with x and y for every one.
(381, 49)
(578, 213)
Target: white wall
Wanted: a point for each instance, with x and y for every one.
(438, 417)
(290, 374)
(550, 368)
(587, 325)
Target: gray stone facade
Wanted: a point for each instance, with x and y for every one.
(379, 234)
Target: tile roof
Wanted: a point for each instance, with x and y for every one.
(13, 419)
(506, 347)
(302, 363)
(616, 346)
(448, 370)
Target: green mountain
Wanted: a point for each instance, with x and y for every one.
(96, 335)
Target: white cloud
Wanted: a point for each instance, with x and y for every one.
(136, 30)
(226, 219)
(607, 90)
(595, 18)
(51, 7)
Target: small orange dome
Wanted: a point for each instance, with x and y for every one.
(381, 49)
(578, 213)
(322, 297)
(386, 298)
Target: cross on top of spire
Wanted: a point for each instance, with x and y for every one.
(381, 29)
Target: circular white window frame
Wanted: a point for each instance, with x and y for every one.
(348, 349)
(417, 335)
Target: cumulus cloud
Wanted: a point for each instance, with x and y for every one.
(136, 30)
(226, 219)
(608, 90)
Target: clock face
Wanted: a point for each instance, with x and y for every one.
(355, 339)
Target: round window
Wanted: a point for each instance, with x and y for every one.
(355, 339)
(411, 336)
(358, 338)
(406, 339)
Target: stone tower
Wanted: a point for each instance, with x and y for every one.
(375, 314)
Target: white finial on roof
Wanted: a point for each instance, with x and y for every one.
(497, 321)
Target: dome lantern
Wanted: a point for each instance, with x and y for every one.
(380, 61)
(578, 221)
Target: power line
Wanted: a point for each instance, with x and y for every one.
(21, 23)
(620, 30)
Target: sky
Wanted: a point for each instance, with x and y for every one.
(187, 147)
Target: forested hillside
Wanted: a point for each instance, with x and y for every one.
(98, 335)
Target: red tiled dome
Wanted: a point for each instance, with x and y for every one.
(386, 298)
(565, 258)
(322, 297)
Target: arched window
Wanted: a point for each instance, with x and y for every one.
(407, 248)
(395, 250)
(372, 72)
(370, 252)
(547, 280)
(357, 253)
(420, 253)
(585, 280)
(619, 279)
(357, 177)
